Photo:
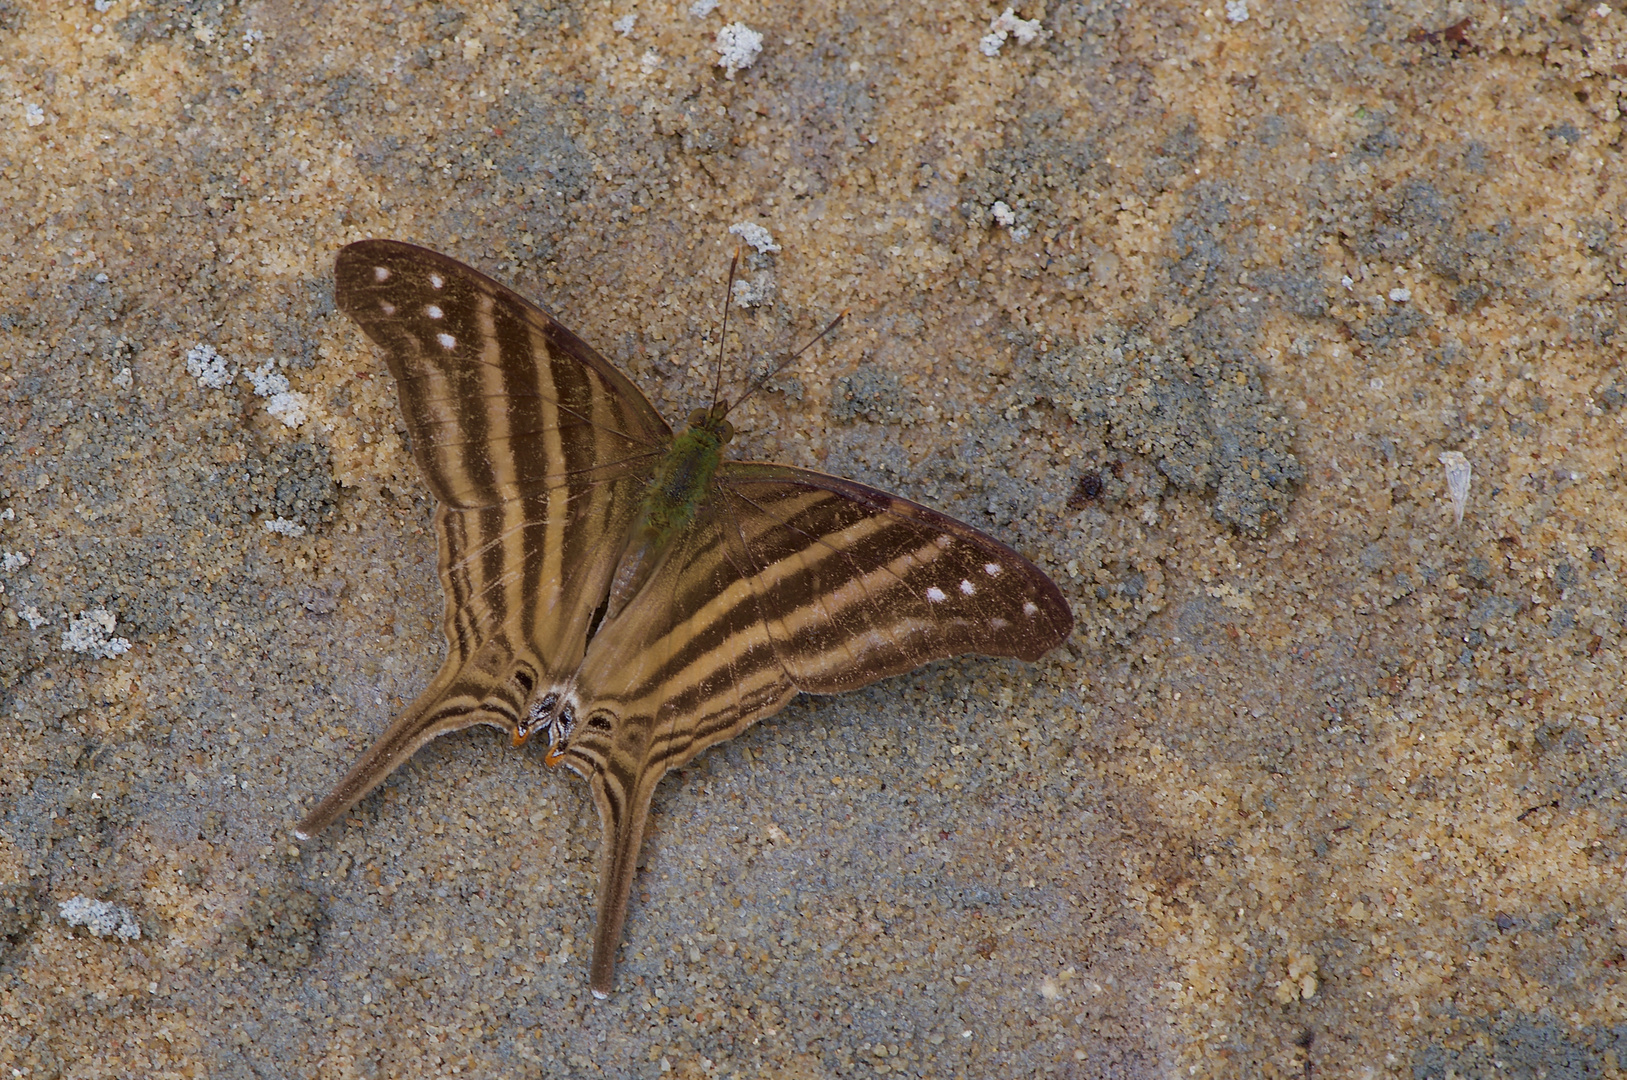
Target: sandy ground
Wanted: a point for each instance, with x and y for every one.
(1184, 302)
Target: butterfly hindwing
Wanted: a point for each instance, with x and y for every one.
(788, 581)
(537, 451)
(688, 663)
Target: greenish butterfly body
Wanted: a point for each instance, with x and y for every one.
(630, 595)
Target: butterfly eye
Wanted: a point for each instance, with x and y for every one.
(726, 432)
(697, 418)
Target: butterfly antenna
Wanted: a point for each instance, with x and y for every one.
(723, 337)
(760, 383)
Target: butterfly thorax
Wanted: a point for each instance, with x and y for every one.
(683, 478)
(680, 485)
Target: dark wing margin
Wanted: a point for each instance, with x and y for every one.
(855, 584)
(500, 399)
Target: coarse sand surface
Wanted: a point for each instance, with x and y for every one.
(1186, 303)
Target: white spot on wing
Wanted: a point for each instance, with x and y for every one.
(944, 541)
(935, 594)
(437, 280)
(386, 307)
(1029, 609)
(447, 341)
(433, 311)
(966, 588)
(381, 273)
(998, 623)
(992, 569)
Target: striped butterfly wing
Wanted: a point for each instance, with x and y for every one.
(538, 452)
(790, 581)
(854, 584)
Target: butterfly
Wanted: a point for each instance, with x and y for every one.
(629, 595)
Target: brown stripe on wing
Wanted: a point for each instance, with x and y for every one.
(832, 580)
(479, 567)
(533, 569)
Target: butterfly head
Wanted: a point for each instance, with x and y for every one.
(553, 714)
(713, 422)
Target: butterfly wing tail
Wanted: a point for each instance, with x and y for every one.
(622, 814)
(437, 711)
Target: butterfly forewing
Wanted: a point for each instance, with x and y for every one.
(499, 398)
(792, 580)
(855, 584)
